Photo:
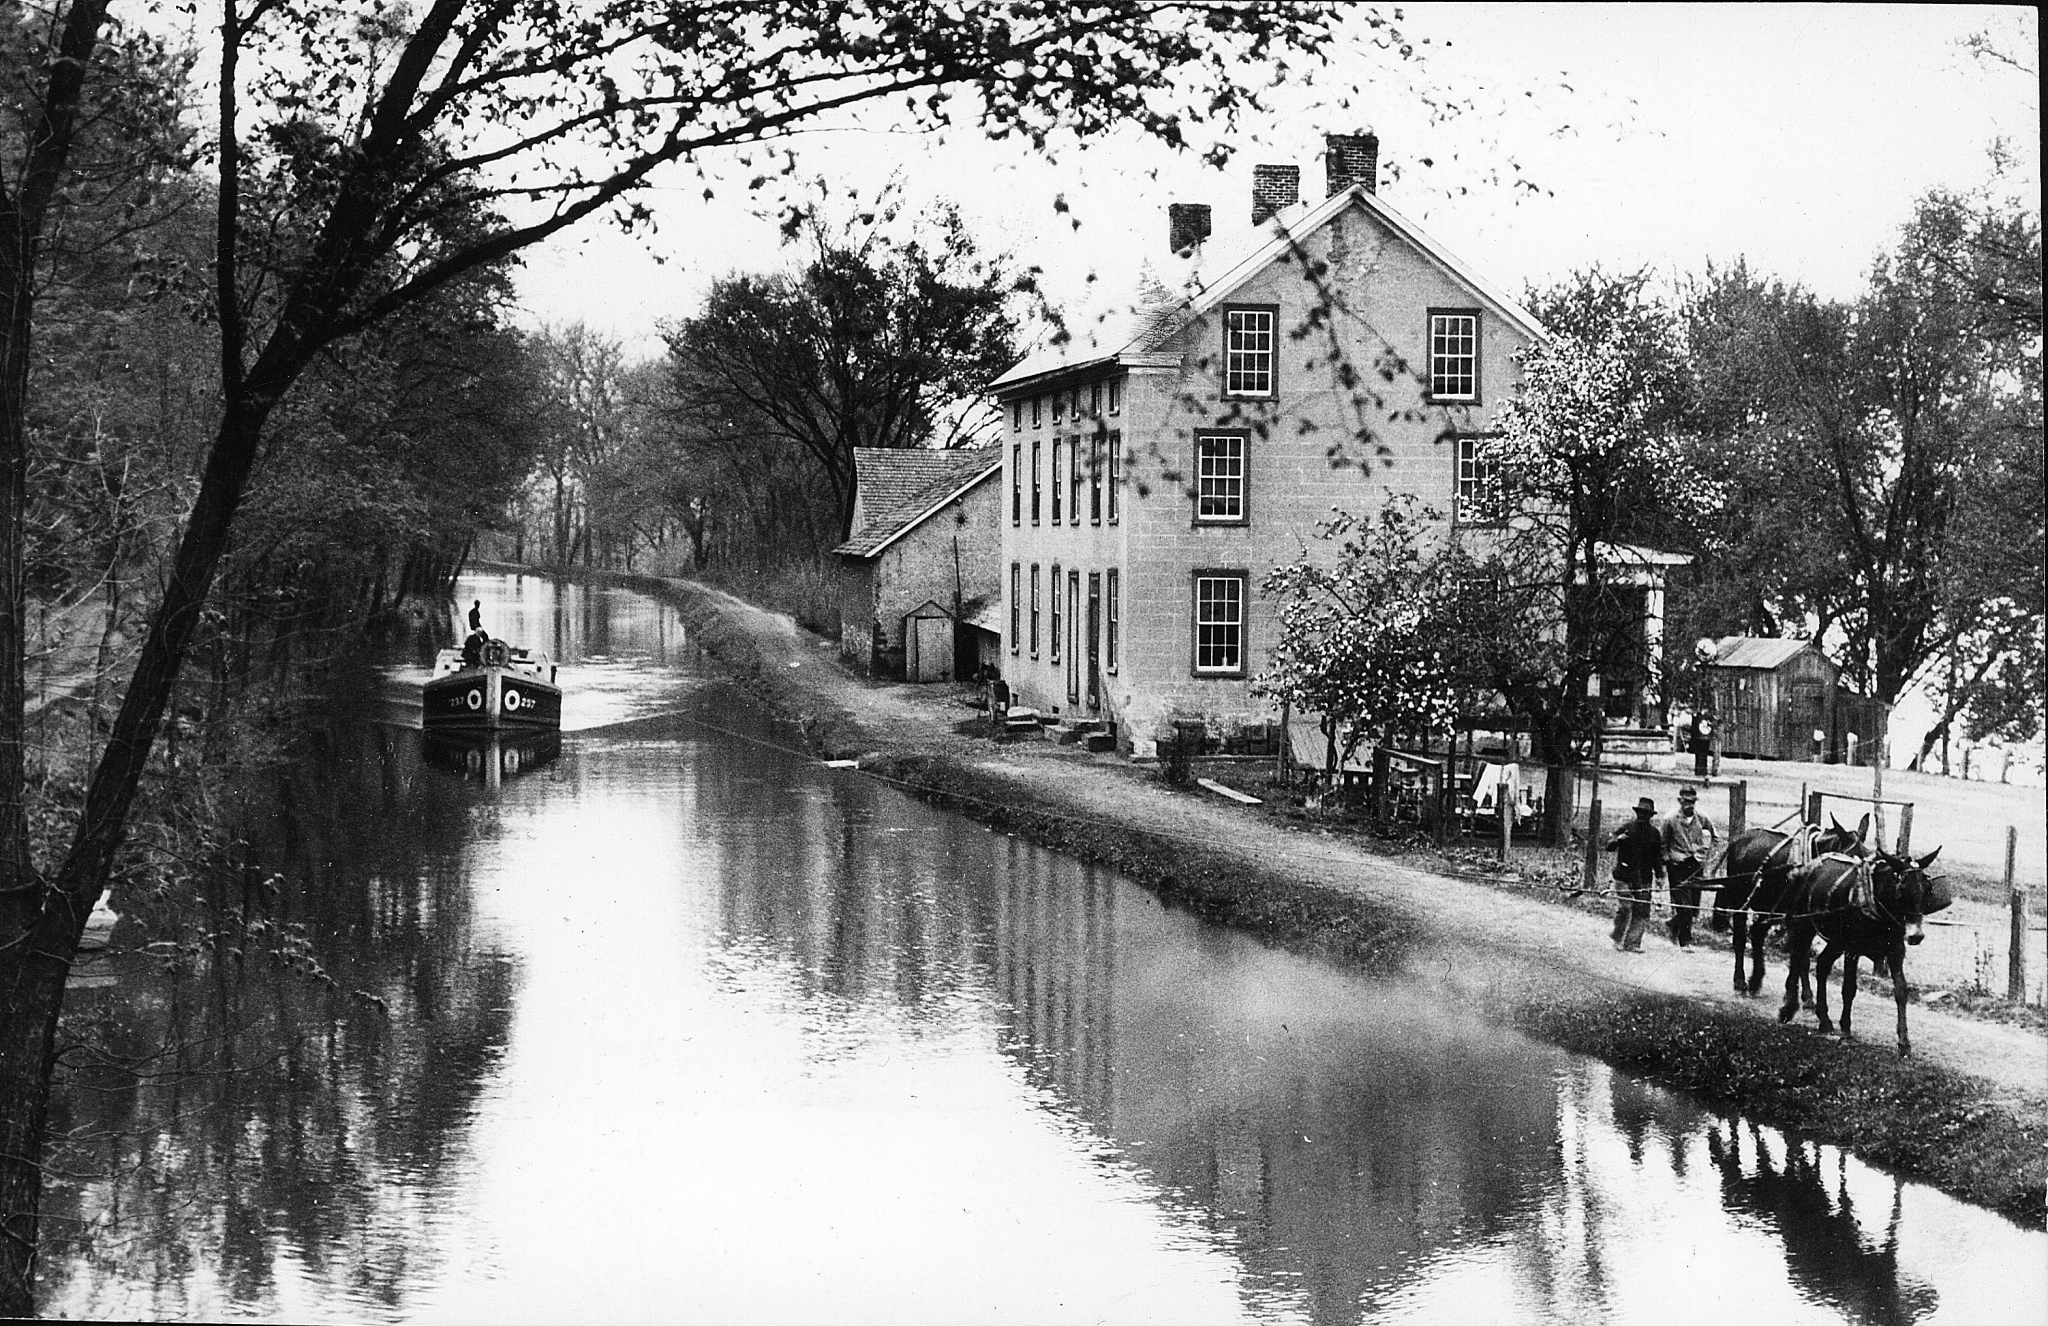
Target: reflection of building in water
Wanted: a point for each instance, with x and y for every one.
(1331, 1132)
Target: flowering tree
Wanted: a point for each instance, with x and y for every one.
(1591, 457)
(1363, 639)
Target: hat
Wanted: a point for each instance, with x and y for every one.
(1688, 794)
(1646, 807)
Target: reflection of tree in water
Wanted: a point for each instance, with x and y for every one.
(1825, 1250)
(283, 1075)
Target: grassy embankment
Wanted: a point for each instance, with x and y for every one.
(1915, 1119)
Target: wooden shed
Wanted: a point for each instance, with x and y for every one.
(1772, 695)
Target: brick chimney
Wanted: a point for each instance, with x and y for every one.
(1352, 159)
(1187, 224)
(1274, 187)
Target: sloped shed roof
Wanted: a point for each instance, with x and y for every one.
(901, 488)
(1756, 651)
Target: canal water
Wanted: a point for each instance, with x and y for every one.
(671, 1023)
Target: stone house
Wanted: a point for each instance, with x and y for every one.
(1331, 355)
(920, 571)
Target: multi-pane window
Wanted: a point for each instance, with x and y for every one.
(1109, 624)
(1116, 474)
(1074, 481)
(1248, 352)
(1454, 356)
(1475, 478)
(1055, 612)
(1095, 480)
(1059, 400)
(1017, 414)
(1017, 484)
(1219, 478)
(1095, 401)
(1219, 622)
(1016, 603)
(1116, 395)
(1034, 483)
(1057, 507)
(1034, 610)
(1035, 403)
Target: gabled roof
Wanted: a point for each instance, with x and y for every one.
(900, 489)
(1755, 651)
(1222, 263)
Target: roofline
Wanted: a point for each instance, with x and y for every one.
(1290, 237)
(952, 494)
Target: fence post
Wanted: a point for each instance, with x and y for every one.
(1905, 828)
(2016, 967)
(1738, 806)
(1505, 804)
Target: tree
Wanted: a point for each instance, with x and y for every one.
(872, 345)
(1880, 456)
(1364, 634)
(397, 153)
(1591, 460)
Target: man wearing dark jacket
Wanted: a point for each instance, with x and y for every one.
(1638, 863)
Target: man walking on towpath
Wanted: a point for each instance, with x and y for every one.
(1689, 839)
(1638, 863)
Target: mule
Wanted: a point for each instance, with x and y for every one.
(1758, 864)
(1862, 906)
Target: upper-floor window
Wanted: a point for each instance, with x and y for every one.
(1036, 402)
(1057, 507)
(1116, 395)
(1095, 479)
(1219, 623)
(1074, 480)
(1248, 351)
(1116, 474)
(1475, 477)
(1017, 414)
(1017, 484)
(1454, 354)
(1059, 400)
(1219, 478)
(1095, 401)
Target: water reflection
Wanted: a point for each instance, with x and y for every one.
(688, 1028)
(492, 758)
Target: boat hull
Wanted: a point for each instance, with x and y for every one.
(490, 700)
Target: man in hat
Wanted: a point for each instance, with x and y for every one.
(1689, 839)
(1638, 863)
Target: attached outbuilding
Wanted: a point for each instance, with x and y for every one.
(921, 566)
(1781, 699)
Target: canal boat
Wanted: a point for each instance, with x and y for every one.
(505, 689)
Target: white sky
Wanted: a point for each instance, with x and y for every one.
(1664, 136)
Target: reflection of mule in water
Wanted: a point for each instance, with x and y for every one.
(1759, 864)
(1861, 906)
(1828, 1256)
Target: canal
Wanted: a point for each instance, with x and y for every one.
(672, 1023)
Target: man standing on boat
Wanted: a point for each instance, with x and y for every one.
(476, 615)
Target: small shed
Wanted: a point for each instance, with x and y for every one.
(1771, 696)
